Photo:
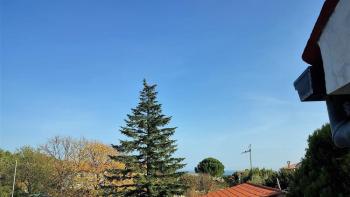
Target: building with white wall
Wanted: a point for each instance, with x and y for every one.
(328, 76)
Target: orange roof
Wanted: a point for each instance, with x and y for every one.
(245, 190)
(292, 166)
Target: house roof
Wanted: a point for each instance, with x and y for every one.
(245, 190)
(312, 53)
(292, 166)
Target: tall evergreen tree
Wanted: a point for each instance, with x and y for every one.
(150, 169)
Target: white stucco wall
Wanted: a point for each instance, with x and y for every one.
(335, 49)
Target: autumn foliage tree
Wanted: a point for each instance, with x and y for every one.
(91, 169)
(78, 165)
(65, 151)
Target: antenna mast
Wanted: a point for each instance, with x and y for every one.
(250, 156)
(14, 180)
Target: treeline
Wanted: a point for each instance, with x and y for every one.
(64, 166)
(209, 177)
(324, 170)
(143, 164)
(61, 167)
(140, 165)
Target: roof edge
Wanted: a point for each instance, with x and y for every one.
(265, 187)
(312, 52)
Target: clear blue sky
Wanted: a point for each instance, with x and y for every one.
(224, 69)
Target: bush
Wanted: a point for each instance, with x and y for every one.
(199, 184)
(257, 176)
(284, 176)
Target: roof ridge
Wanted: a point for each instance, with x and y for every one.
(264, 187)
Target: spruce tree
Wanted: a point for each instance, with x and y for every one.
(150, 169)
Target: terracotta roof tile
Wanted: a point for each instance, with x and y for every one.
(245, 190)
(292, 166)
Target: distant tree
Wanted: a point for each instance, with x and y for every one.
(62, 167)
(66, 152)
(91, 167)
(7, 166)
(256, 175)
(325, 170)
(34, 172)
(210, 166)
(147, 153)
(78, 165)
(96, 157)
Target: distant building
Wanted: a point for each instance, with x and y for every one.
(291, 166)
(247, 190)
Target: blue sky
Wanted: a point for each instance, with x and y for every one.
(224, 71)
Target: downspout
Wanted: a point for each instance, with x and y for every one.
(339, 117)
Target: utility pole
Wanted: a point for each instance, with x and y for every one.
(14, 180)
(250, 156)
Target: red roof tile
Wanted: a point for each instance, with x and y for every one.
(245, 190)
(292, 166)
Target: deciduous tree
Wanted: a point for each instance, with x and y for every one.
(63, 150)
